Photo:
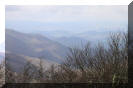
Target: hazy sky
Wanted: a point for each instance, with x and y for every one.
(64, 17)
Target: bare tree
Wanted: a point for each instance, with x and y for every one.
(99, 64)
(28, 73)
(40, 72)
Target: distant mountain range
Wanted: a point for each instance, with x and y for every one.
(72, 41)
(21, 46)
(77, 39)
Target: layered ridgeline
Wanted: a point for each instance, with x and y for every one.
(22, 47)
(71, 41)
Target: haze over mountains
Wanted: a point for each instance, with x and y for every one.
(21, 47)
(71, 41)
(72, 34)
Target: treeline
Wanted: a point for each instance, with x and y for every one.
(100, 64)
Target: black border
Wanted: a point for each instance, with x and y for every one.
(64, 85)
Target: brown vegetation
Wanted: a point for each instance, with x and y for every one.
(98, 64)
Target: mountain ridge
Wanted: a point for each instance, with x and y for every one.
(34, 46)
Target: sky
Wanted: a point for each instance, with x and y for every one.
(66, 18)
(62, 13)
